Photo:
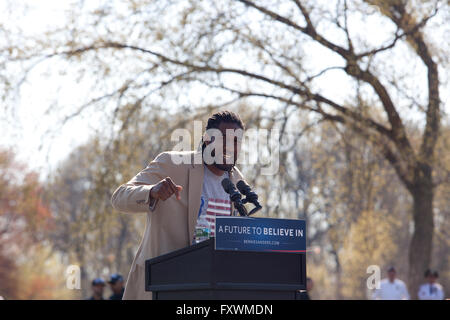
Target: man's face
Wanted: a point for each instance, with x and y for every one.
(230, 145)
(116, 287)
(431, 279)
(391, 275)
(98, 289)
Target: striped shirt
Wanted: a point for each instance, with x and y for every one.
(214, 200)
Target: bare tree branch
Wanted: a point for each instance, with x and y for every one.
(398, 36)
(398, 132)
(308, 30)
(397, 12)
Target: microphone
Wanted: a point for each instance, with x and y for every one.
(250, 196)
(235, 196)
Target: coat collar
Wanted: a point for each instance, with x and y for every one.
(195, 182)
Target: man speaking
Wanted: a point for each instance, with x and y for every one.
(178, 196)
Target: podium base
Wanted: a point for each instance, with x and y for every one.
(227, 295)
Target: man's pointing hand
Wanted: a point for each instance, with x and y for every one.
(165, 189)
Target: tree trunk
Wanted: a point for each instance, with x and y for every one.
(338, 271)
(420, 247)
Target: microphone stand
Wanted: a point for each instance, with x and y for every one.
(255, 203)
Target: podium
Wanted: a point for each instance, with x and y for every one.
(199, 272)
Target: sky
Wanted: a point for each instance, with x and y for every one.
(27, 134)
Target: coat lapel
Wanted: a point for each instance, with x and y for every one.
(196, 172)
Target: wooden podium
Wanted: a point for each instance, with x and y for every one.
(199, 272)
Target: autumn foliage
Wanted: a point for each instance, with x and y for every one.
(25, 219)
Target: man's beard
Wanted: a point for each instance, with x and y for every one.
(224, 167)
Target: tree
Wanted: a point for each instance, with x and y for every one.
(42, 275)
(89, 232)
(352, 195)
(368, 243)
(260, 50)
(25, 220)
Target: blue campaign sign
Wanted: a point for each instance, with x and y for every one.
(260, 234)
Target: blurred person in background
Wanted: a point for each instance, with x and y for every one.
(431, 290)
(98, 285)
(117, 287)
(391, 288)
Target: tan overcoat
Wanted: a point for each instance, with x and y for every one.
(171, 223)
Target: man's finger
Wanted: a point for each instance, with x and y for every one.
(164, 197)
(166, 189)
(167, 192)
(170, 184)
(175, 188)
(177, 191)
